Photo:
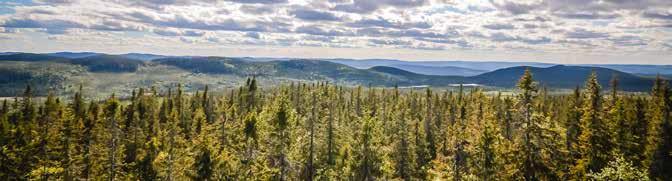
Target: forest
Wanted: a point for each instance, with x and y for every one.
(323, 131)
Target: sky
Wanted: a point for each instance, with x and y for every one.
(554, 31)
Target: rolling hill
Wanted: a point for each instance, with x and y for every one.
(73, 54)
(108, 63)
(439, 70)
(143, 56)
(95, 63)
(484, 66)
(470, 68)
(561, 76)
(30, 57)
(203, 69)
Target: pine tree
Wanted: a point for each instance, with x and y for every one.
(203, 164)
(173, 159)
(280, 140)
(24, 145)
(659, 140)
(250, 131)
(428, 125)
(111, 138)
(367, 159)
(573, 125)
(48, 126)
(403, 159)
(621, 127)
(91, 127)
(637, 113)
(309, 168)
(487, 156)
(531, 166)
(594, 140)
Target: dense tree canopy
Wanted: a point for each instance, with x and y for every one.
(320, 131)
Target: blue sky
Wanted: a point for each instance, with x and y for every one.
(558, 31)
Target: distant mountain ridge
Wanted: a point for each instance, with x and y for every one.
(553, 76)
(73, 54)
(486, 66)
(563, 76)
(462, 68)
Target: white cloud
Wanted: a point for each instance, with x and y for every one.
(545, 26)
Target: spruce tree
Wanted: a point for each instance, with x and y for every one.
(366, 155)
(530, 151)
(280, 141)
(659, 140)
(595, 139)
(402, 148)
(573, 125)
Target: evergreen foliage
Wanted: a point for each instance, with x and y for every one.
(321, 131)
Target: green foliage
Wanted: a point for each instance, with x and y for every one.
(620, 169)
(120, 74)
(658, 157)
(595, 138)
(326, 132)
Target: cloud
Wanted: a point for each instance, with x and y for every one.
(312, 15)
(254, 9)
(193, 33)
(110, 25)
(628, 40)
(384, 23)
(254, 35)
(316, 30)
(51, 26)
(260, 1)
(31, 23)
(578, 9)
(586, 15)
(177, 32)
(580, 33)
(57, 2)
(369, 6)
(668, 45)
(389, 42)
(499, 26)
(221, 24)
(160, 4)
(503, 37)
(517, 6)
(665, 15)
(187, 40)
(167, 32)
(460, 42)
(542, 25)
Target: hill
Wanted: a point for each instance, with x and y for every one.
(108, 63)
(470, 68)
(439, 70)
(95, 63)
(207, 65)
(117, 72)
(637, 69)
(471, 65)
(143, 56)
(30, 57)
(561, 76)
(299, 69)
(73, 54)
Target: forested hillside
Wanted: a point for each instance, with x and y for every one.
(321, 131)
(102, 73)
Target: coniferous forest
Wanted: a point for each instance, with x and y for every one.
(320, 131)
